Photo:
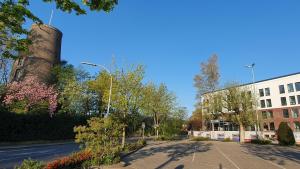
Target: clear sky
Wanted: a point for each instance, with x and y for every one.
(171, 38)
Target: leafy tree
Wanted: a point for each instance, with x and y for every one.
(158, 103)
(74, 94)
(173, 124)
(195, 121)
(285, 134)
(128, 94)
(31, 92)
(239, 103)
(14, 13)
(101, 137)
(206, 83)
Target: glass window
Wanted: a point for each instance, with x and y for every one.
(269, 103)
(295, 112)
(283, 101)
(297, 125)
(272, 126)
(267, 91)
(270, 114)
(261, 92)
(297, 85)
(298, 98)
(290, 87)
(292, 100)
(264, 114)
(285, 113)
(262, 104)
(281, 89)
(266, 127)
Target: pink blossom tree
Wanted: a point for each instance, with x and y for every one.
(32, 92)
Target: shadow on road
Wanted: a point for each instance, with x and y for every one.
(274, 153)
(174, 151)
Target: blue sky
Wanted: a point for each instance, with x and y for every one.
(171, 38)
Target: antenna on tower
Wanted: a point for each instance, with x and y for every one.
(50, 20)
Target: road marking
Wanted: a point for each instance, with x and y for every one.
(235, 165)
(193, 157)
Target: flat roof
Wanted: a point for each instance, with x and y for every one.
(277, 77)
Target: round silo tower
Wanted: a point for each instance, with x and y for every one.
(44, 54)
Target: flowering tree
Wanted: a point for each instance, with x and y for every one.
(31, 91)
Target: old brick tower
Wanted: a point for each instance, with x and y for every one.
(44, 54)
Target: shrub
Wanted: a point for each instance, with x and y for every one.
(227, 140)
(74, 161)
(261, 141)
(134, 146)
(200, 139)
(101, 138)
(285, 134)
(30, 164)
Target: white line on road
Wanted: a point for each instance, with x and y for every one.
(235, 165)
(193, 157)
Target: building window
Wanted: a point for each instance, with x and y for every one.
(295, 112)
(283, 101)
(269, 103)
(262, 104)
(298, 98)
(297, 85)
(261, 92)
(285, 113)
(292, 100)
(281, 89)
(270, 114)
(297, 125)
(266, 127)
(290, 87)
(267, 91)
(264, 114)
(272, 126)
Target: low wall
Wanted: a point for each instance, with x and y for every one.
(234, 135)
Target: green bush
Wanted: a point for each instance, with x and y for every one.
(227, 140)
(134, 146)
(200, 139)
(37, 126)
(260, 141)
(30, 164)
(101, 137)
(285, 134)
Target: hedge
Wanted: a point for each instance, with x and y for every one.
(40, 126)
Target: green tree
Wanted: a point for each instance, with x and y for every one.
(285, 134)
(158, 102)
(14, 13)
(128, 94)
(206, 82)
(239, 103)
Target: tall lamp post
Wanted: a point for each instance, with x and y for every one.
(110, 88)
(254, 95)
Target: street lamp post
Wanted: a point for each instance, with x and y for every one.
(110, 88)
(254, 95)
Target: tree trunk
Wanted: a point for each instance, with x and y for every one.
(124, 133)
(242, 134)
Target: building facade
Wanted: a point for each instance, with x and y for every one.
(43, 55)
(278, 101)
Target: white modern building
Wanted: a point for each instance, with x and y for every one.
(278, 101)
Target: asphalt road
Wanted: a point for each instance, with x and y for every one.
(213, 155)
(9, 157)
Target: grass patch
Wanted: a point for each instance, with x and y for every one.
(227, 140)
(200, 139)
